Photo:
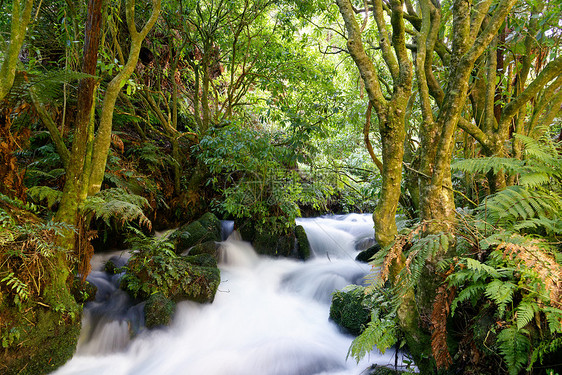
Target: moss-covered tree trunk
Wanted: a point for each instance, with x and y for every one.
(391, 120)
(21, 15)
(103, 137)
(390, 113)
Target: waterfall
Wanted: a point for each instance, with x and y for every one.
(269, 317)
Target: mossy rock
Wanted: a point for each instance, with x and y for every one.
(302, 242)
(348, 311)
(114, 265)
(209, 247)
(211, 223)
(366, 255)
(194, 278)
(207, 228)
(275, 245)
(83, 291)
(42, 341)
(158, 311)
(202, 260)
(381, 370)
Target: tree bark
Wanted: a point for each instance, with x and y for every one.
(103, 136)
(21, 15)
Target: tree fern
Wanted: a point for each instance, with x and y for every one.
(484, 165)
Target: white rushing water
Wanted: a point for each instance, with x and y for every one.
(269, 317)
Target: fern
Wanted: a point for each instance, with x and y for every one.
(471, 292)
(514, 346)
(542, 163)
(525, 312)
(484, 165)
(40, 193)
(545, 347)
(501, 292)
(516, 203)
(118, 205)
(380, 332)
(20, 288)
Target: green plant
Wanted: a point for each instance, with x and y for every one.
(154, 267)
(21, 289)
(382, 328)
(258, 178)
(117, 206)
(10, 337)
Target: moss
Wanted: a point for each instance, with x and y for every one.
(212, 224)
(207, 228)
(382, 370)
(203, 260)
(274, 244)
(46, 340)
(209, 247)
(366, 255)
(158, 310)
(302, 241)
(83, 291)
(194, 278)
(348, 310)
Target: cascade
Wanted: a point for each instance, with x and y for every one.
(269, 317)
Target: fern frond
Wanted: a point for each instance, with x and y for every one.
(380, 332)
(534, 259)
(518, 203)
(472, 292)
(484, 165)
(514, 346)
(118, 205)
(545, 347)
(552, 227)
(525, 312)
(501, 292)
(40, 193)
(439, 314)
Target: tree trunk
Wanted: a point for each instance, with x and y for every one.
(21, 14)
(103, 136)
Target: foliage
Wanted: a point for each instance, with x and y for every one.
(259, 182)
(155, 268)
(516, 276)
(381, 329)
(116, 206)
(45, 193)
(522, 280)
(26, 250)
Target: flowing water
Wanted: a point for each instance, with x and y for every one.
(269, 317)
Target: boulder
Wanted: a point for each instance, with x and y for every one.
(348, 310)
(194, 278)
(206, 228)
(366, 255)
(303, 246)
(158, 311)
(275, 245)
(209, 247)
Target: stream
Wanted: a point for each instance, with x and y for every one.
(269, 317)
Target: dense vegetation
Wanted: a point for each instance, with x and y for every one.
(120, 117)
